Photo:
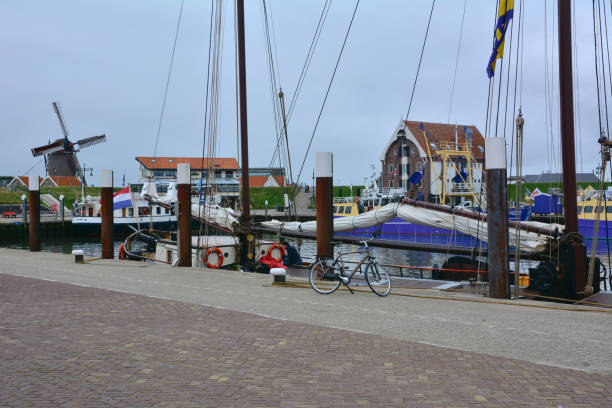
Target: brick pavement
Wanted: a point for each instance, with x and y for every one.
(71, 346)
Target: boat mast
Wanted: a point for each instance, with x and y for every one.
(245, 218)
(566, 96)
(567, 116)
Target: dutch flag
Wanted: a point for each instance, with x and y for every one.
(122, 199)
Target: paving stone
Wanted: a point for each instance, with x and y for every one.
(65, 345)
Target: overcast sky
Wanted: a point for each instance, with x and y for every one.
(107, 61)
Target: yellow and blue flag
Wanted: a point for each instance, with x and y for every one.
(504, 15)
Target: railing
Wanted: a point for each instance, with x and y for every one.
(460, 147)
(462, 188)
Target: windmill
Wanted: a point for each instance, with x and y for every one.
(60, 156)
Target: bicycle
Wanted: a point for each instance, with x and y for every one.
(326, 273)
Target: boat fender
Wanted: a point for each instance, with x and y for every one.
(280, 247)
(219, 256)
(122, 254)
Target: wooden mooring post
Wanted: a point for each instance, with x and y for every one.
(34, 187)
(324, 193)
(497, 225)
(183, 175)
(106, 193)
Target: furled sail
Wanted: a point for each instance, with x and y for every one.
(534, 235)
(223, 217)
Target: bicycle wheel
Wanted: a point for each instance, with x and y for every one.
(378, 279)
(322, 277)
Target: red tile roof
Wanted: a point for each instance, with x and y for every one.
(440, 133)
(259, 181)
(26, 180)
(197, 163)
(65, 181)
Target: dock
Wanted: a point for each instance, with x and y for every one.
(121, 333)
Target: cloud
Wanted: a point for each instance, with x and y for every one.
(107, 62)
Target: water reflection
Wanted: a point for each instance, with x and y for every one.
(63, 244)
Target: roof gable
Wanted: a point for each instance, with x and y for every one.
(63, 181)
(440, 134)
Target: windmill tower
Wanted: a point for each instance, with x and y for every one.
(60, 156)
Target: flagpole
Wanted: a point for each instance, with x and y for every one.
(134, 209)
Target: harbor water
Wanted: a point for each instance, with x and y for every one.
(66, 240)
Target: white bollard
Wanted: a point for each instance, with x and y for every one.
(279, 274)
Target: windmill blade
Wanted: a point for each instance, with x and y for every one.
(90, 141)
(60, 117)
(50, 148)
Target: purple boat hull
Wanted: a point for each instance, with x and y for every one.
(399, 229)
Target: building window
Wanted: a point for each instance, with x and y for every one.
(420, 167)
(390, 168)
(588, 209)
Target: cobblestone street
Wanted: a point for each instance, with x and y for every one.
(66, 345)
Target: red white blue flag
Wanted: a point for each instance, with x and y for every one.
(122, 199)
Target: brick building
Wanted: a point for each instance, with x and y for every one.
(443, 162)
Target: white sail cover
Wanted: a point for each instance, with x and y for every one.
(149, 189)
(171, 195)
(530, 241)
(223, 217)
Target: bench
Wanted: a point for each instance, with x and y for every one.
(9, 214)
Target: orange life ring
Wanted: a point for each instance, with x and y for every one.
(281, 248)
(219, 255)
(122, 254)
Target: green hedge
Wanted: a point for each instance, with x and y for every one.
(544, 188)
(10, 197)
(346, 191)
(69, 193)
(274, 195)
